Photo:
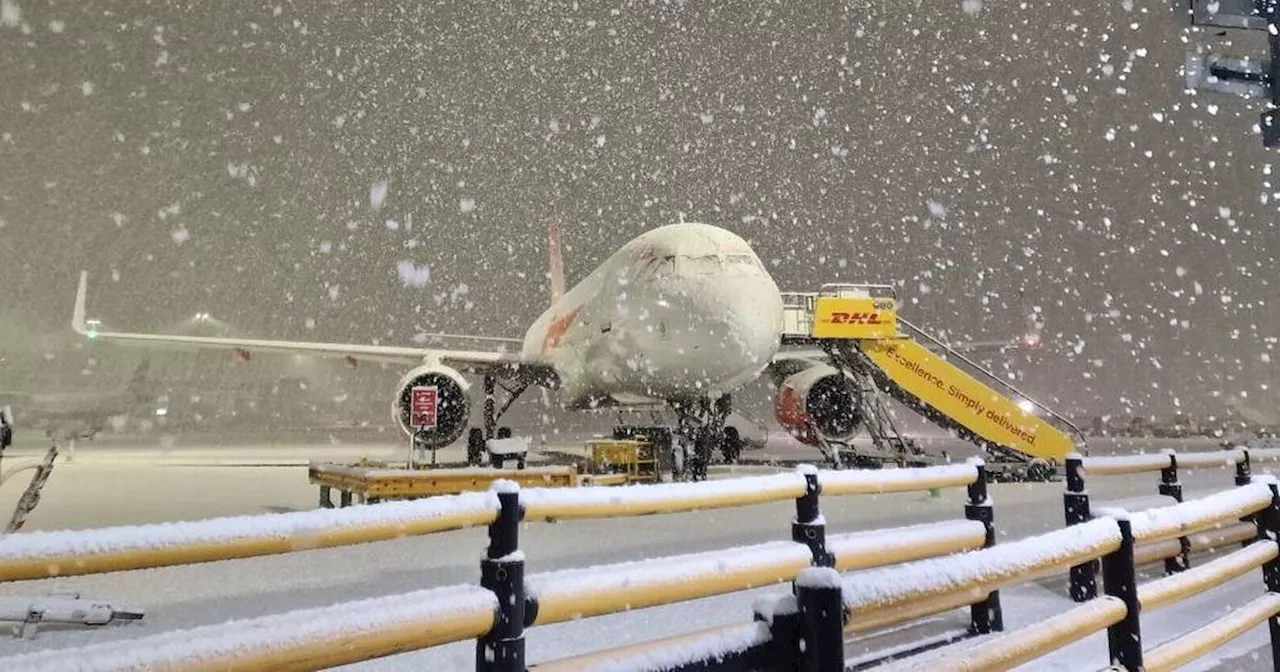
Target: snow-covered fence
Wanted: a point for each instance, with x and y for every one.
(787, 634)
(800, 629)
(1077, 506)
(1120, 609)
(638, 500)
(38, 555)
(305, 639)
(1202, 640)
(506, 602)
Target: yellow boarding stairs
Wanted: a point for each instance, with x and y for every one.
(857, 327)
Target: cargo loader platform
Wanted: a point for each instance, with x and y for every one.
(373, 483)
(608, 462)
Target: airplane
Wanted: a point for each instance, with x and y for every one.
(81, 415)
(679, 318)
(1259, 421)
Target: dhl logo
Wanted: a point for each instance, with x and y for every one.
(855, 318)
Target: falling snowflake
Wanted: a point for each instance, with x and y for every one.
(377, 195)
(413, 275)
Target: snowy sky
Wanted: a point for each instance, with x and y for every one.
(362, 171)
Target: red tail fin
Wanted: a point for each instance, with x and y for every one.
(556, 263)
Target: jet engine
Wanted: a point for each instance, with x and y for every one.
(443, 405)
(818, 397)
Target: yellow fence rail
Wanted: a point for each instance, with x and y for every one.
(1007, 651)
(886, 596)
(39, 555)
(1119, 610)
(1153, 533)
(306, 639)
(1200, 641)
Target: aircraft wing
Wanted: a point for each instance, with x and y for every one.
(15, 398)
(467, 361)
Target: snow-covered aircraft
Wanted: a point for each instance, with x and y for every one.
(84, 414)
(679, 317)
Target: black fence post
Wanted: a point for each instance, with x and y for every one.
(822, 619)
(808, 528)
(1269, 532)
(1244, 476)
(1119, 580)
(1244, 472)
(783, 617)
(1171, 487)
(502, 572)
(985, 616)
(490, 407)
(1084, 582)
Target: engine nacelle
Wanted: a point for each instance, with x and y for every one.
(820, 395)
(448, 411)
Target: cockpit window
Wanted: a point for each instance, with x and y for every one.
(657, 264)
(714, 263)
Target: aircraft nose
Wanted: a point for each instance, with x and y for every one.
(735, 329)
(752, 316)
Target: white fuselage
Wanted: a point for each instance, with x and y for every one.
(681, 311)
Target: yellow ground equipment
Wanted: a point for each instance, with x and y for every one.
(636, 458)
(857, 327)
(372, 483)
(608, 462)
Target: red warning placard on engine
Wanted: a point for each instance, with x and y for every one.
(423, 406)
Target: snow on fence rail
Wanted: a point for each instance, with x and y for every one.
(1205, 540)
(800, 629)
(304, 639)
(1179, 522)
(732, 644)
(873, 548)
(987, 568)
(1202, 640)
(1181, 519)
(1119, 610)
(594, 591)
(38, 555)
(1231, 456)
(637, 500)
(793, 641)
(1019, 646)
(871, 482)
(1175, 587)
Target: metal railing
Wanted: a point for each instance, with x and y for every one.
(1076, 501)
(900, 575)
(506, 602)
(806, 630)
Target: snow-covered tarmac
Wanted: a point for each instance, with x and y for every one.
(121, 484)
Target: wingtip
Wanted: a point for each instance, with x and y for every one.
(77, 316)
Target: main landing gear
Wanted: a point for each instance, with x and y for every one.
(478, 437)
(700, 431)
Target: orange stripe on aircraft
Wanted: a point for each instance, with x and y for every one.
(557, 329)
